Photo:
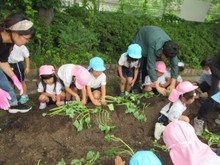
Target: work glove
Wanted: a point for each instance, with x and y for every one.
(17, 83)
(4, 97)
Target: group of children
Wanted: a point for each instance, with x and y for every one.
(63, 86)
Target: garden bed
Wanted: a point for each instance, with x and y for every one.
(31, 138)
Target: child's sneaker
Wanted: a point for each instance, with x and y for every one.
(159, 128)
(198, 125)
(23, 99)
(19, 108)
(122, 94)
(42, 106)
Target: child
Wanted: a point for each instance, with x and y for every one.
(49, 87)
(160, 70)
(185, 147)
(16, 58)
(74, 77)
(205, 80)
(97, 84)
(179, 78)
(183, 95)
(128, 65)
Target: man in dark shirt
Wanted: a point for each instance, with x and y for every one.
(156, 44)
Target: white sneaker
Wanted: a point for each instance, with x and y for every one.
(198, 125)
(42, 106)
(159, 128)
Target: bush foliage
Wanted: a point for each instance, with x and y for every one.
(77, 34)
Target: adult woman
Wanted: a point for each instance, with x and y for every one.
(15, 29)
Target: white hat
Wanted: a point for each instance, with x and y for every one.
(21, 26)
(180, 64)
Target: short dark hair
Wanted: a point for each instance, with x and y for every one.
(15, 18)
(188, 95)
(203, 63)
(170, 49)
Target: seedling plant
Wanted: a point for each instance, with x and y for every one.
(103, 120)
(132, 104)
(211, 138)
(77, 111)
(90, 159)
(122, 149)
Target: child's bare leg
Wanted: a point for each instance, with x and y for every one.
(147, 88)
(122, 84)
(129, 81)
(24, 87)
(96, 94)
(184, 118)
(43, 99)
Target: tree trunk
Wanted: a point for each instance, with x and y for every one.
(46, 14)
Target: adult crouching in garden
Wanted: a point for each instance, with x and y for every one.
(15, 29)
(156, 45)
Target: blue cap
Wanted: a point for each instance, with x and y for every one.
(145, 157)
(216, 97)
(134, 51)
(97, 64)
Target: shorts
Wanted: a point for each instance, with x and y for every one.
(127, 72)
(72, 85)
(94, 89)
(162, 119)
(18, 69)
(50, 102)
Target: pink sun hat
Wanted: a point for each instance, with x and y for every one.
(82, 76)
(181, 89)
(161, 67)
(185, 147)
(46, 70)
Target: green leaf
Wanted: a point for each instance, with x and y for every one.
(77, 161)
(111, 107)
(110, 152)
(61, 162)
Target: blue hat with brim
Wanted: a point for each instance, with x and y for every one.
(145, 157)
(97, 64)
(216, 97)
(134, 51)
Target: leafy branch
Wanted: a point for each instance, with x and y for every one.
(122, 149)
(213, 139)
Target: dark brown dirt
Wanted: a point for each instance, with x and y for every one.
(27, 138)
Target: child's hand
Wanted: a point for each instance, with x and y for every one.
(103, 102)
(96, 102)
(162, 91)
(53, 97)
(119, 161)
(84, 102)
(58, 103)
(77, 98)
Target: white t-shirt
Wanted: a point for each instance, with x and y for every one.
(18, 54)
(168, 75)
(50, 88)
(65, 74)
(213, 161)
(123, 62)
(97, 82)
(161, 80)
(176, 110)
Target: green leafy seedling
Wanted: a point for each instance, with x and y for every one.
(122, 149)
